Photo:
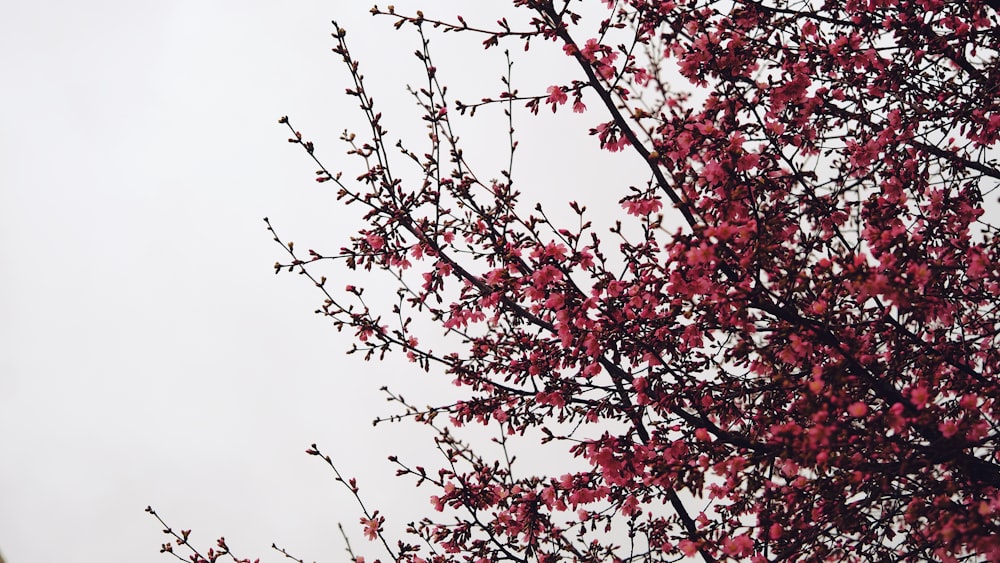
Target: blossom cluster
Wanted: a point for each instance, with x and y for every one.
(804, 366)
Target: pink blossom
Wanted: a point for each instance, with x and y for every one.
(375, 241)
(372, 527)
(688, 547)
(919, 396)
(739, 546)
(590, 48)
(857, 410)
(631, 506)
(641, 207)
(556, 96)
(948, 428)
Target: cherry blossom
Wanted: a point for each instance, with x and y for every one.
(787, 349)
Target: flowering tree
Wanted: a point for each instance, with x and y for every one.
(793, 352)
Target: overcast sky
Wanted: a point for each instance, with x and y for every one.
(148, 354)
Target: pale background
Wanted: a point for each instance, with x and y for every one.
(148, 354)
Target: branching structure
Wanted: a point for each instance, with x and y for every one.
(805, 369)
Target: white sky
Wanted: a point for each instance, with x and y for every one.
(148, 354)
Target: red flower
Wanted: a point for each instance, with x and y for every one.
(556, 97)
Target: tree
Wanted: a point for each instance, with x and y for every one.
(789, 351)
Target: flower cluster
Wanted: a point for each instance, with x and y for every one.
(797, 356)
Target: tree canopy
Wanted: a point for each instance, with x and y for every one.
(788, 347)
